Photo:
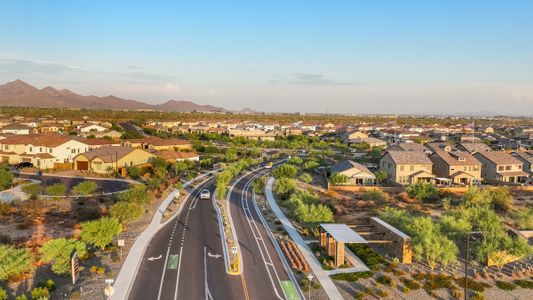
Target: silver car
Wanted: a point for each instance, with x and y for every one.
(205, 194)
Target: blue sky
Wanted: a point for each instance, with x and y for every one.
(353, 56)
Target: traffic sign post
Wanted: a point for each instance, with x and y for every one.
(109, 290)
(120, 244)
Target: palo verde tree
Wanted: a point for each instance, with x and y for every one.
(14, 262)
(56, 190)
(100, 232)
(59, 251)
(84, 188)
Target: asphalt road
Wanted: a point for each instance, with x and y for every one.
(104, 186)
(188, 258)
(132, 127)
(263, 271)
(184, 259)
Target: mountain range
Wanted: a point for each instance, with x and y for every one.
(21, 94)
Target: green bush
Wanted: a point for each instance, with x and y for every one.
(32, 189)
(366, 254)
(134, 172)
(423, 191)
(306, 177)
(352, 276)
(283, 187)
(84, 188)
(525, 284)
(6, 178)
(58, 252)
(338, 179)
(384, 279)
(504, 285)
(285, 171)
(126, 212)
(376, 195)
(56, 190)
(3, 294)
(136, 194)
(14, 262)
(40, 293)
(100, 232)
(523, 218)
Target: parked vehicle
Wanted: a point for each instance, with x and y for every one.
(24, 164)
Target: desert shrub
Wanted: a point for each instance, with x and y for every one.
(5, 208)
(366, 254)
(21, 297)
(84, 188)
(59, 251)
(259, 185)
(523, 218)
(126, 212)
(352, 276)
(410, 284)
(306, 177)
(14, 262)
(384, 279)
(6, 178)
(423, 191)
(375, 195)
(56, 190)
(285, 170)
(48, 284)
(33, 190)
(499, 198)
(100, 232)
(338, 179)
(3, 294)
(134, 172)
(504, 285)
(136, 193)
(40, 293)
(477, 296)
(284, 187)
(474, 285)
(525, 284)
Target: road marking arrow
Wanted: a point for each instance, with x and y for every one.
(214, 255)
(155, 258)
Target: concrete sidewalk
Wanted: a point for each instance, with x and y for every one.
(320, 274)
(131, 264)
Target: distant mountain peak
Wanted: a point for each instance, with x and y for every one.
(20, 93)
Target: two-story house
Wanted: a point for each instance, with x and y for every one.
(526, 157)
(460, 167)
(406, 167)
(501, 166)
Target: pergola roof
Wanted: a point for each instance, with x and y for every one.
(343, 234)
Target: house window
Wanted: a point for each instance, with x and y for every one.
(411, 168)
(402, 168)
(476, 168)
(40, 149)
(519, 167)
(500, 168)
(507, 168)
(31, 149)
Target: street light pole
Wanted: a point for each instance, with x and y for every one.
(310, 277)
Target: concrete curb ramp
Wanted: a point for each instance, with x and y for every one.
(320, 274)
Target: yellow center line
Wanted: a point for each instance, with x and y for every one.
(243, 280)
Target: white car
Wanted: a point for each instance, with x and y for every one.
(205, 194)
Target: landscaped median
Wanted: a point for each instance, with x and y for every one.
(230, 243)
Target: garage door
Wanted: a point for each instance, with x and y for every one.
(82, 165)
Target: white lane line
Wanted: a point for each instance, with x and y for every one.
(245, 206)
(206, 285)
(178, 277)
(163, 275)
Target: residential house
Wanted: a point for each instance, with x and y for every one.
(406, 167)
(173, 156)
(473, 147)
(353, 135)
(414, 147)
(113, 134)
(107, 159)
(371, 141)
(254, 134)
(152, 142)
(455, 166)
(88, 127)
(501, 166)
(17, 128)
(357, 174)
(526, 157)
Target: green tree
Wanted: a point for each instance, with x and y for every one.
(381, 176)
(32, 189)
(523, 218)
(231, 154)
(6, 178)
(310, 165)
(100, 232)
(284, 187)
(126, 212)
(423, 191)
(338, 179)
(84, 188)
(134, 172)
(285, 170)
(56, 190)
(136, 193)
(59, 251)
(14, 262)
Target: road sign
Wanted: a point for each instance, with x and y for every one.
(234, 250)
(74, 267)
(120, 243)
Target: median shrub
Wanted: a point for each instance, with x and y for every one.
(423, 191)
